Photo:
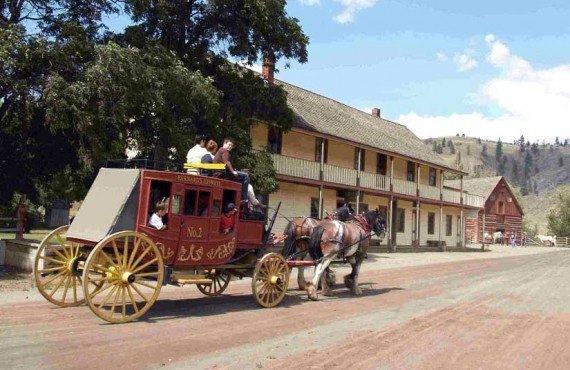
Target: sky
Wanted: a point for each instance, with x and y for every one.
(488, 69)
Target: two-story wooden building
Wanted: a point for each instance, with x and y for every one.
(502, 212)
(336, 153)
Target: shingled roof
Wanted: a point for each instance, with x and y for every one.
(482, 186)
(326, 116)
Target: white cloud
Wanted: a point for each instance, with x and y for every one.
(532, 102)
(441, 57)
(310, 2)
(464, 61)
(350, 8)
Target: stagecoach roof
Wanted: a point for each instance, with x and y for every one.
(110, 205)
(324, 115)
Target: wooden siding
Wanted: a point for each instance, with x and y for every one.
(258, 136)
(298, 145)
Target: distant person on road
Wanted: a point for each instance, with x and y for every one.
(524, 240)
(513, 240)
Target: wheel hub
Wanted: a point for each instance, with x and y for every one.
(128, 278)
(275, 280)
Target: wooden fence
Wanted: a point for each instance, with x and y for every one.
(563, 241)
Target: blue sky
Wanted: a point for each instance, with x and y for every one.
(487, 69)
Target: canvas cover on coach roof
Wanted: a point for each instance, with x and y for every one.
(110, 205)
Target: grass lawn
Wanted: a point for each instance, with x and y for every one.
(33, 235)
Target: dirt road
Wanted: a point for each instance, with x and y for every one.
(491, 313)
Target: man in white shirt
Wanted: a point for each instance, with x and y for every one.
(160, 210)
(196, 153)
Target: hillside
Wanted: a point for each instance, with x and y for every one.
(538, 171)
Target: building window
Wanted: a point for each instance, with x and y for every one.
(400, 220)
(362, 207)
(274, 140)
(500, 207)
(362, 158)
(315, 207)
(411, 171)
(448, 224)
(381, 164)
(319, 147)
(431, 223)
(432, 177)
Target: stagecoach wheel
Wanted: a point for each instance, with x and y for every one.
(132, 272)
(270, 280)
(220, 281)
(57, 269)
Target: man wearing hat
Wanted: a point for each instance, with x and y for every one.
(228, 218)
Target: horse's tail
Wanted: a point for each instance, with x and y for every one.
(290, 242)
(315, 243)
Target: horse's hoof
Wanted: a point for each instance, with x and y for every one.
(328, 293)
(312, 292)
(331, 279)
(356, 291)
(348, 282)
(302, 286)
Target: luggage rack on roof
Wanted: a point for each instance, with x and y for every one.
(147, 164)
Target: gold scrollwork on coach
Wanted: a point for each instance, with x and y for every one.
(222, 251)
(192, 253)
(167, 253)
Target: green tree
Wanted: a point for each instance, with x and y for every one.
(434, 146)
(439, 149)
(560, 162)
(515, 172)
(443, 143)
(527, 165)
(522, 143)
(451, 146)
(499, 150)
(484, 151)
(559, 217)
(468, 149)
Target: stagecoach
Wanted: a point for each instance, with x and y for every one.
(111, 259)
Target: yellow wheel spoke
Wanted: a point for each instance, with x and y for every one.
(133, 253)
(139, 293)
(148, 274)
(125, 251)
(107, 296)
(117, 255)
(97, 292)
(51, 269)
(67, 281)
(140, 258)
(145, 284)
(124, 298)
(116, 299)
(52, 260)
(145, 265)
(58, 253)
(58, 286)
(133, 300)
(62, 243)
(74, 289)
(53, 278)
(108, 258)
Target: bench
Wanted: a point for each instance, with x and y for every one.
(205, 166)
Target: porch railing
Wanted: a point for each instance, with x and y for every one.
(296, 167)
(374, 181)
(339, 175)
(404, 187)
(451, 196)
(430, 192)
(474, 200)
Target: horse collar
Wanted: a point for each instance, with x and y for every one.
(362, 223)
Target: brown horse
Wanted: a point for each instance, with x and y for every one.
(298, 232)
(350, 240)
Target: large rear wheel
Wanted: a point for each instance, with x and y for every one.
(130, 268)
(270, 280)
(57, 269)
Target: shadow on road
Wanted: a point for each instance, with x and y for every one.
(169, 309)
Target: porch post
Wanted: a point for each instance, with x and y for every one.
(418, 223)
(389, 229)
(462, 230)
(483, 234)
(443, 249)
(358, 181)
(321, 201)
(391, 173)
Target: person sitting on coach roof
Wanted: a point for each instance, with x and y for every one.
(223, 156)
(196, 153)
(212, 148)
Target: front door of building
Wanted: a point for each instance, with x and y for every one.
(393, 227)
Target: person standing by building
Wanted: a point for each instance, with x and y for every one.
(513, 240)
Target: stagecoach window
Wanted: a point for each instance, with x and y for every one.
(176, 200)
(204, 204)
(431, 223)
(190, 202)
(401, 220)
(159, 192)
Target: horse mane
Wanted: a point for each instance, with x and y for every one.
(290, 243)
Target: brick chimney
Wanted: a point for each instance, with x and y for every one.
(376, 112)
(268, 69)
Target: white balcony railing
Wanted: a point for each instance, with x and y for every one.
(474, 200)
(339, 175)
(404, 187)
(451, 196)
(374, 181)
(430, 192)
(296, 167)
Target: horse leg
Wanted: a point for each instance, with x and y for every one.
(351, 281)
(319, 270)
